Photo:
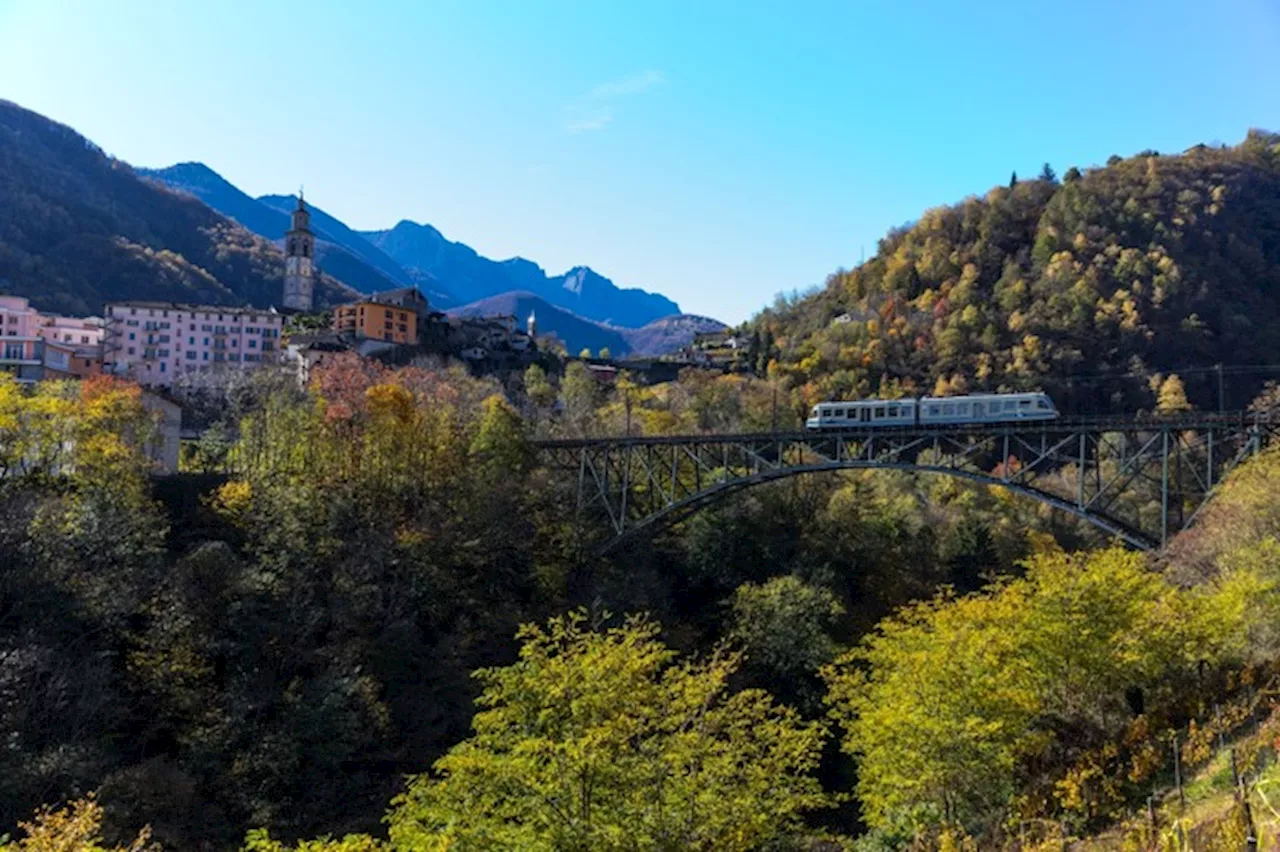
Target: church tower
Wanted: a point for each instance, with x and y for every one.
(299, 261)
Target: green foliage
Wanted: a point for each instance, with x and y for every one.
(785, 626)
(603, 740)
(950, 704)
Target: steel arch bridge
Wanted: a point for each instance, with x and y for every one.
(1140, 479)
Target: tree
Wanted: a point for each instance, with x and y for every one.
(500, 449)
(1172, 397)
(74, 828)
(537, 388)
(1048, 175)
(603, 740)
(579, 395)
(605, 354)
(785, 627)
(1013, 180)
(949, 700)
(1072, 175)
(585, 354)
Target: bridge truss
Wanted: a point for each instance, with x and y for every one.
(1139, 479)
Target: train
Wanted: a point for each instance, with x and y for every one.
(932, 411)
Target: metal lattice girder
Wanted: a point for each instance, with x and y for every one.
(1139, 479)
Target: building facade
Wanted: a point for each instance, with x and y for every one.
(154, 343)
(299, 262)
(21, 346)
(377, 321)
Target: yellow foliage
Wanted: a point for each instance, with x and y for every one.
(74, 828)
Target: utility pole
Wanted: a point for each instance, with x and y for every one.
(1222, 395)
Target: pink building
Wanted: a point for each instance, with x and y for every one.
(21, 347)
(155, 343)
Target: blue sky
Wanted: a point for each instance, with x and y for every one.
(718, 152)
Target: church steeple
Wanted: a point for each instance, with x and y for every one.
(299, 260)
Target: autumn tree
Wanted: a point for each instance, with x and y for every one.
(604, 740)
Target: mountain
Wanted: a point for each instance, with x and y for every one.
(339, 251)
(669, 334)
(410, 254)
(422, 250)
(1094, 288)
(79, 228)
(574, 331)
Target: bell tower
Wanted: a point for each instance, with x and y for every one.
(299, 261)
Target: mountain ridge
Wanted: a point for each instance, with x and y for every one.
(79, 228)
(417, 254)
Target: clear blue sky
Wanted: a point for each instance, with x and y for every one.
(718, 151)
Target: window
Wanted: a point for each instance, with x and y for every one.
(1042, 404)
(191, 341)
(191, 356)
(131, 350)
(206, 356)
(164, 353)
(133, 336)
(164, 368)
(193, 327)
(84, 338)
(948, 409)
(1024, 403)
(879, 412)
(1011, 405)
(14, 351)
(253, 344)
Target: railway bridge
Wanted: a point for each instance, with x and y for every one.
(1140, 479)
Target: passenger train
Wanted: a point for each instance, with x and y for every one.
(932, 411)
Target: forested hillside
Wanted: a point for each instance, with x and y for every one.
(78, 228)
(1094, 287)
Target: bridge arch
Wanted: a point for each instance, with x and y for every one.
(1081, 467)
(723, 490)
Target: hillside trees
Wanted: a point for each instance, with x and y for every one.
(1086, 289)
(964, 711)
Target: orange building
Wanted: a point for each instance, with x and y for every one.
(377, 321)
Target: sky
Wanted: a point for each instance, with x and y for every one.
(716, 151)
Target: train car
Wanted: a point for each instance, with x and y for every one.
(986, 408)
(931, 411)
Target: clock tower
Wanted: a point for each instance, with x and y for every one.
(299, 261)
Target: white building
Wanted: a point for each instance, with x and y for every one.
(155, 342)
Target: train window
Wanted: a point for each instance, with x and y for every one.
(1024, 403)
(949, 408)
(1011, 405)
(879, 412)
(1040, 403)
(933, 411)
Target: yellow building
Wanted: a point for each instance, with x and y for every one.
(377, 321)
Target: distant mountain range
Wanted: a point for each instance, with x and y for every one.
(655, 338)
(450, 273)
